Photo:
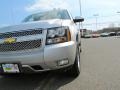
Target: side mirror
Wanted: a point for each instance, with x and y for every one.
(78, 19)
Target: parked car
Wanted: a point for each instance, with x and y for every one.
(95, 35)
(118, 33)
(44, 41)
(104, 34)
(88, 36)
(112, 34)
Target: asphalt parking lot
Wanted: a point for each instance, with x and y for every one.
(100, 70)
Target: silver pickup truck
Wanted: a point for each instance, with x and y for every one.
(44, 41)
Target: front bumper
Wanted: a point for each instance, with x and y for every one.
(45, 59)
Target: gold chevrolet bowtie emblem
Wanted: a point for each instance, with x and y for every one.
(10, 40)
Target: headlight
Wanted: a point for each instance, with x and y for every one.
(51, 33)
(58, 35)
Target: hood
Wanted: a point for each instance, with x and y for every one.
(38, 24)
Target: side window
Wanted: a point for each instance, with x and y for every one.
(28, 19)
(65, 15)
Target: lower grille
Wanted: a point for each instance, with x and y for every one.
(20, 45)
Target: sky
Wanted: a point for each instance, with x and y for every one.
(14, 11)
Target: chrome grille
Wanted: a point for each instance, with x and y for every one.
(20, 45)
(20, 33)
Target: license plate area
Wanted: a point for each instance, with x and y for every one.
(10, 67)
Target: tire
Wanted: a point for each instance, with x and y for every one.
(74, 71)
(80, 49)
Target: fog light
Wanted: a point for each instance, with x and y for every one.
(63, 62)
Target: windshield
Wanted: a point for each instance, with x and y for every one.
(54, 14)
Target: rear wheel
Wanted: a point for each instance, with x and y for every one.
(75, 69)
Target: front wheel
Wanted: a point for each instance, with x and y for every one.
(75, 69)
